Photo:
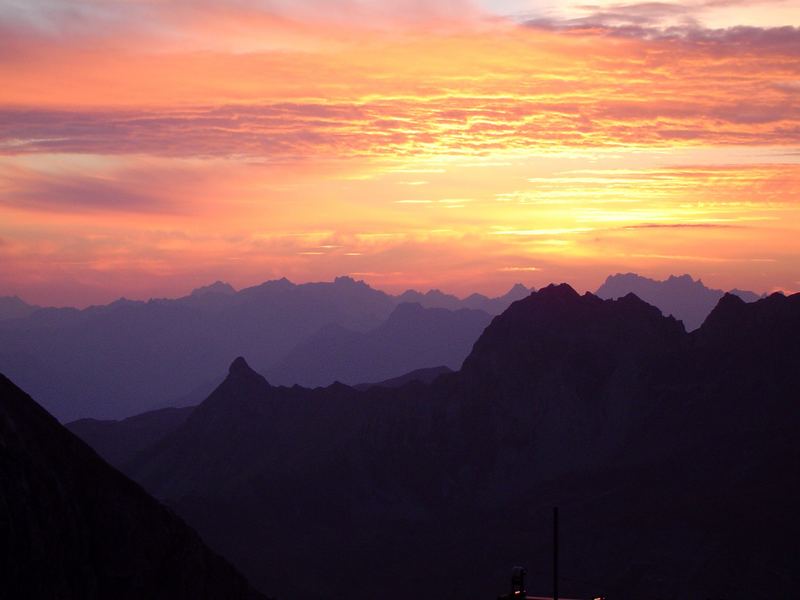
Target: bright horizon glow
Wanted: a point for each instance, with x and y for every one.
(150, 148)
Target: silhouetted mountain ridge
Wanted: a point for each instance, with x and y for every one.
(680, 296)
(425, 376)
(115, 360)
(662, 447)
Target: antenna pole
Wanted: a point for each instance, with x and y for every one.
(555, 553)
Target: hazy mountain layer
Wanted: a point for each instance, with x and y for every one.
(117, 360)
(412, 338)
(12, 307)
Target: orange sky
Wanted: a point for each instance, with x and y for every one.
(149, 147)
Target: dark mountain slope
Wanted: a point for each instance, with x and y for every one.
(569, 376)
(119, 441)
(428, 375)
(76, 528)
(412, 338)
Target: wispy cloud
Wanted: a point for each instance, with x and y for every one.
(681, 226)
(73, 193)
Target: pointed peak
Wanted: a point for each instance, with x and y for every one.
(559, 291)
(281, 283)
(730, 299)
(240, 367)
(339, 387)
(626, 277)
(635, 301)
(685, 278)
(218, 287)
(631, 297)
(726, 313)
(240, 373)
(347, 280)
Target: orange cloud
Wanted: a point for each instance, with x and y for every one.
(150, 146)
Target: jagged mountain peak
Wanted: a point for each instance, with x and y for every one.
(559, 291)
(732, 313)
(242, 376)
(239, 368)
(557, 325)
(346, 280)
(685, 278)
(218, 287)
(682, 296)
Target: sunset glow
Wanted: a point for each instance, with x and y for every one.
(150, 147)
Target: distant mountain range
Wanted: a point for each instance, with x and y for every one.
(680, 296)
(672, 455)
(493, 306)
(12, 307)
(412, 338)
(116, 360)
(121, 359)
(75, 528)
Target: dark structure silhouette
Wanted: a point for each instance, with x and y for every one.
(518, 590)
(555, 553)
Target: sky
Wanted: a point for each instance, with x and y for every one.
(148, 147)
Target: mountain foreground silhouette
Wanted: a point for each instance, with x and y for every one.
(76, 528)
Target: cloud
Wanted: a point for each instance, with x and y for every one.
(682, 226)
(398, 127)
(232, 23)
(665, 22)
(77, 194)
(518, 269)
(591, 82)
(144, 189)
(659, 17)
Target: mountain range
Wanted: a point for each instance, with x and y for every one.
(411, 338)
(120, 359)
(671, 454)
(679, 296)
